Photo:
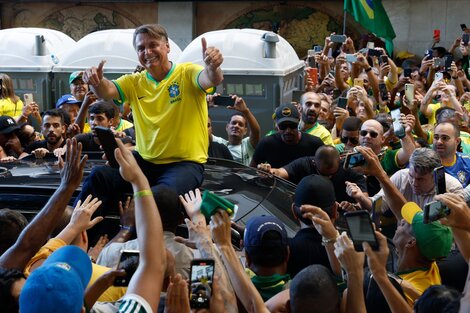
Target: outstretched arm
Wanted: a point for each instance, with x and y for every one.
(36, 233)
(103, 88)
(212, 75)
(148, 278)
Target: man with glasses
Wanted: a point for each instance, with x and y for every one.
(288, 143)
(445, 143)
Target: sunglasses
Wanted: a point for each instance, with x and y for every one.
(285, 126)
(353, 140)
(372, 133)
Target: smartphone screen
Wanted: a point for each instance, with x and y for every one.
(354, 159)
(410, 92)
(224, 100)
(202, 275)
(433, 211)
(376, 210)
(407, 72)
(370, 45)
(342, 102)
(313, 74)
(440, 180)
(129, 262)
(28, 98)
(465, 39)
(359, 82)
(108, 143)
(383, 91)
(361, 229)
(437, 34)
(383, 59)
(351, 58)
(338, 38)
(398, 128)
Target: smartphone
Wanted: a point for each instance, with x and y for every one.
(360, 229)
(398, 128)
(440, 180)
(438, 76)
(433, 211)
(359, 82)
(374, 53)
(410, 92)
(342, 102)
(376, 210)
(465, 38)
(407, 72)
(463, 27)
(448, 59)
(200, 290)
(351, 58)
(317, 49)
(383, 91)
(311, 58)
(338, 38)
(383, 59)
(129, 261)
(354, 159)
(28, 98)
(438, 62)
(437, 34)
(370, 45)
(224, 100)
(313, 74)
(108, 142)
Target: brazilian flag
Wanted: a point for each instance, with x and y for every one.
(372, 16)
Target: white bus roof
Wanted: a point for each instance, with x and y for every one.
(243, 52)
(17, 51)
(113, 45)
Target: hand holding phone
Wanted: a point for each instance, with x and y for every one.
(342, 102)
(338, 38)
(361, 230)
(223, 100)
(359, 82)
(410, 92)
(28, 98)
(108, 143)
(354, 159)
(434, 211)
(440, 180)
(200, 289)
(398, 128)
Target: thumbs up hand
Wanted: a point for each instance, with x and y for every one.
(211, 55)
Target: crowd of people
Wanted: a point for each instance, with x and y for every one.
(367, 134)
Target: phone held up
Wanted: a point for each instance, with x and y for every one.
(202, 276)
(129, 261)
(361, 230)
(398, 128)
(223, 100)
(108, 143)
(434, 211)
(354, 159)
(440, 180)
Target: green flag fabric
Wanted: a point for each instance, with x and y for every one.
(372, 16)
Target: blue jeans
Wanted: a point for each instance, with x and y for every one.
(107, 184)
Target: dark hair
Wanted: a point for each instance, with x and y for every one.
(238, 114)
(352, 123)
(12, 224)
(444, 114)
(169, 206)
(103, 106)
(314, 287)
(435, 299)
(385, 120)
(270, 253)
(58, 113)
(7, 278)
(154, 30)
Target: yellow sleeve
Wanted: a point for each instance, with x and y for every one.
(111, 294)
(43, 253)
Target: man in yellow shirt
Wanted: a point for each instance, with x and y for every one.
(170, 113)
(311, 107)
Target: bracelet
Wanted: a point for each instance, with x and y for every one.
(325, 241)
(143, 193)
(368, 70)
(128, 228)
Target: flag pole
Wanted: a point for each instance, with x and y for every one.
(344, 22)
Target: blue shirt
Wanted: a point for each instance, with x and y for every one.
(460, 169)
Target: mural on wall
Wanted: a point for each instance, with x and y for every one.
(302, 26)
(77, 21)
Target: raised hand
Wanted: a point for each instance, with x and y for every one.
(81, 216)
(94, 75)
(72, 170)
(211, 55)
(192, 202)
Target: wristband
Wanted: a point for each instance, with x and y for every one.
(368, 70)
(325, 241)
(143, 193)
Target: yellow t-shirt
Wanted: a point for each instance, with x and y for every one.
(170, 116)
(86, 128)
(123, 125)
(8, 107)
(432, 118)
(321, 132)
(421, 279)
(110, 295)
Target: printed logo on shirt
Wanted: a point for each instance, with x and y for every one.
(174, 92)
(462, 177)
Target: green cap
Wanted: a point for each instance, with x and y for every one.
(212, 202)
(74, 76)
(434, 239)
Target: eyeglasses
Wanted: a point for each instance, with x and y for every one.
(372, 133)
(353, 140)
(443, 138)
(285, 126)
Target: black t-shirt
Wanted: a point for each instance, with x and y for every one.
(218, 150)
(305, 166)
(306, 249)
(273, 150)
(40, 144)
(88, 144)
